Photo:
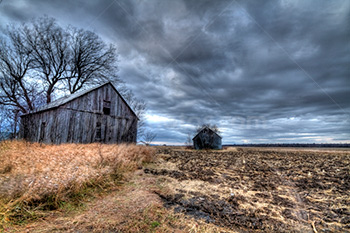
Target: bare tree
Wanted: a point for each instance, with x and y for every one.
(42, 51)
(5, 127)
(15, 61)
(188, 141)
(139, 107)
(91, 60)
(148, 138)
(49, 46)
(14, 120)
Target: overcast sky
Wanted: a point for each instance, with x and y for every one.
(263, 71)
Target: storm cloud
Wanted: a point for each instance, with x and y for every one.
(263, 71)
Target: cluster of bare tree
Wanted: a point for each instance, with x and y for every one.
(38, 58)
(6, 123)
(213, 127)
(41, 60)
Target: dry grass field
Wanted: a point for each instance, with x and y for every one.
(127, 188)
(36, 178)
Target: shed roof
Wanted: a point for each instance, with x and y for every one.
(204, 129)
(63, 100)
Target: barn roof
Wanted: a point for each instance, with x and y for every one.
(63, 100)
(204, 129)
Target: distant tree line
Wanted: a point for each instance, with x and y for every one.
(339, 145)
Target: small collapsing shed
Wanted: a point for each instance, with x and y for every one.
(207, 139)
(99, 114)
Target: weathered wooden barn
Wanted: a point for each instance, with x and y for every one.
(99, 114)
(207, 139)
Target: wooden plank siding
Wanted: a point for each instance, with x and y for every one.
(207, 139)
(82, 120)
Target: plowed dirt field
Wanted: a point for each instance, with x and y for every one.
(249, 189)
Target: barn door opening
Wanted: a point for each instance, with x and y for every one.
(42, 132)
(98, 132)
(104, 128)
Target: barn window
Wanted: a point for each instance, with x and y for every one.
(106, 107)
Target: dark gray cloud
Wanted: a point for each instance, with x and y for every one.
(264, 71)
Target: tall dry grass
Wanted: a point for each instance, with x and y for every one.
(34, 176)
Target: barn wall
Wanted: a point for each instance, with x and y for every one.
(93, 102)
(42, 127)
(82, 121)
(207, 140)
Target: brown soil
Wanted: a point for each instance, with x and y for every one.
(259, 190)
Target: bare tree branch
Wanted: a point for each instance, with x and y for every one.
(148, 138)
(14, 66)
(48, 43)
(92, 60)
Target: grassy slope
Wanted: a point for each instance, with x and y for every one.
(36, 178)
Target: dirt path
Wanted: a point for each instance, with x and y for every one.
(131, 207)
(134, 206)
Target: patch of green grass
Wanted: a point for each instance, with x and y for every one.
(155, 224)
(69, 207)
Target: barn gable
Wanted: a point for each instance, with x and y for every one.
(66, 99)
(99, 114)
(207, 138)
